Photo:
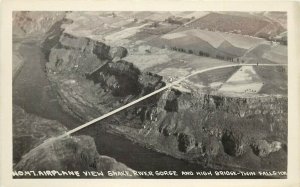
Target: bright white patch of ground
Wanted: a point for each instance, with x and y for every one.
(124, 33)
(245, 80)
(172, 72)
(173, 35)
(143, 48)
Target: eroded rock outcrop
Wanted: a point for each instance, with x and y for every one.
(200, 127)
(262, 148)
(185, 142)
(233, 143)
(76, 153)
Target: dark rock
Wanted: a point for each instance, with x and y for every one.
(172, 102)
(120, 77)
(101, 50)
(150, 82)
(233, 143)
(186, 142)
(166, 132)
(118, 52)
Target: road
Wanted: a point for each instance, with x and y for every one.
(158, 91)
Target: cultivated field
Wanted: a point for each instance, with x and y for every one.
(274, 79)
(246, 24)
(213, 44)
(214, 77)
(245, 80)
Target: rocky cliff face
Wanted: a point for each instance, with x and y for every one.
(207, 129)
(77, 153)
(37, 148)
(198, 127)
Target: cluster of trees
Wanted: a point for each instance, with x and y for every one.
(225, 58)
(173, 21)
(201, 53)
(178, 20)
(178, 49)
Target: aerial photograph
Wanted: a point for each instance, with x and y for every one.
(150, 94)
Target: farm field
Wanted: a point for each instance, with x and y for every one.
(132, 30)
(213, 78)
(274, 78)
(245, 80)
(277, 54)
(234, 47)
(169, 63)
(245, 24)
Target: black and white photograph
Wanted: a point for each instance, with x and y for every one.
(149, 94)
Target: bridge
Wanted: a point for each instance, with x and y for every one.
(156, 92)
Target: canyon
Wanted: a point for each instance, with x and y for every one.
(208, 129)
